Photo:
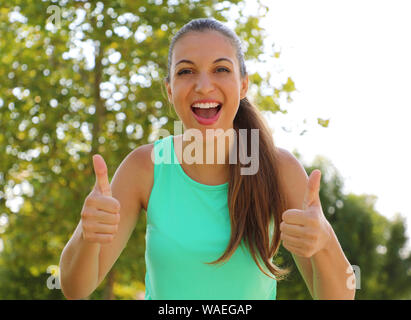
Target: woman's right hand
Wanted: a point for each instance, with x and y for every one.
(100, 215)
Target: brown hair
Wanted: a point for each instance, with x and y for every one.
(254, 201)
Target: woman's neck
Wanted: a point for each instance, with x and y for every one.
(205, 160)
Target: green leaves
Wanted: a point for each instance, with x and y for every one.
(369, 240)
(323, 123)
(77, 100)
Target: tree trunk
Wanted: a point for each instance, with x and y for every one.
(97, 126)
(108, 292)
(98, 102)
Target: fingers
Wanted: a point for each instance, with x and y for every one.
(306, 234)
(100, 170)
(290, 240)
(96, 232)
(312, 193)
(294, 216)
(293, 230)
(296, 250)
(99, 228)
(105, 203)
(99, 216)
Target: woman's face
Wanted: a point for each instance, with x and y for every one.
(205, 73)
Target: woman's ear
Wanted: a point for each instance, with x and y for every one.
(244, 86)
(169, 94)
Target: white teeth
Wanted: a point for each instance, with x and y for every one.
(205, 105)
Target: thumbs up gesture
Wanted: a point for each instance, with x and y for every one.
(307, 231)
(100, 215)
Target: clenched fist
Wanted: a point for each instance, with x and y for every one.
(305, 232)
(100, 215)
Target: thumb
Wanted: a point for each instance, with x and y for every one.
(100, 169)
(312, 193)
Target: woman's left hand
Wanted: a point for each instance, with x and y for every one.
(307, 231)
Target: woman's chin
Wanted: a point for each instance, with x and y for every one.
(210, 132)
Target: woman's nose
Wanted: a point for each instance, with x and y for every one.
(204, 84)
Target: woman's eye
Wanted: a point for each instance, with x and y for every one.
(224, 69)
(184, 71)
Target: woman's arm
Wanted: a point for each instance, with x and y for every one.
(331, 272)
(84, 265)
(79, 266)
(324, 271)
(129, 185)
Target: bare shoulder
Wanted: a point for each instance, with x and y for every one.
(141, 157)
(141, 169)
(293, 176)
(289, 165)
(135, 175)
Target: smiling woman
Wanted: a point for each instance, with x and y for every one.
(212, 74)
(207, 84)
(212, 230)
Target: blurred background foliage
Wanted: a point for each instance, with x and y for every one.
(84, 77)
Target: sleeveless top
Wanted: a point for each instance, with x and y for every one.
(188, 224)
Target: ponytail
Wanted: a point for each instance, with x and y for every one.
(255, 201)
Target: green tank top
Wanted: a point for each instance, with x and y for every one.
(188, 224)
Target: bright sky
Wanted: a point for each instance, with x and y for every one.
(351, 62)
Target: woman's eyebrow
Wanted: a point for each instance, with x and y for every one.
(217, 60)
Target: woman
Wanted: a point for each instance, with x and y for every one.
(212, 231)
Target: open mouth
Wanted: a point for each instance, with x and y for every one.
(207, 116)
(206, 113)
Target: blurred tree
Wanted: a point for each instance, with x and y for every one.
(369, 240)
(394, 282)
(78, 78)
